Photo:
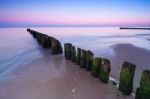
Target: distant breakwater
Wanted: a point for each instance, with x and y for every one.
(134, 28)
(99, 67)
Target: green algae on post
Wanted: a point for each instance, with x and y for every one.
(68, 52)
(45, 41)
(104, 70)
(89, 60)
(126, 78)
(73, 50)
(65, 50)
(83, 58)
(56, 46)
(143, 92)
(78, 56)
(95, 67)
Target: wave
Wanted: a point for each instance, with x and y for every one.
(17, 60)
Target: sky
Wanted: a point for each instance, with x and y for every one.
(74, 13)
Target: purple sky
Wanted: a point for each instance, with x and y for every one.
(74, 13)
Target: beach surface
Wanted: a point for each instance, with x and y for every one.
(53, 77)
(130, 53)
(29, 72)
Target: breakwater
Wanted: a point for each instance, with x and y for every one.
(47, 41)
(98, 66)
(135, 28)
(101, 68)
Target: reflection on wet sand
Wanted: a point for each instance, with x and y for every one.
(54, 77)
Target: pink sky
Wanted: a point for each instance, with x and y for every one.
(81, 14)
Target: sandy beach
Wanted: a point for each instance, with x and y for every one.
(127, 52)
(27, 71)
(53, 77)
(74, 49)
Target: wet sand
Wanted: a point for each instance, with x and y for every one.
(127, 52)
(53, 77)
(29, 72)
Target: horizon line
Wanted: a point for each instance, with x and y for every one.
(23, 26)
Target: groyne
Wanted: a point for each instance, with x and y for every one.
(135, 28)
(47, 41)
(99, 67)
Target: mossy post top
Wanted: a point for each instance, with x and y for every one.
(105, 61)
(68, 44)
(130, 66)
(90, 52)
(145, 79)
(126, 78)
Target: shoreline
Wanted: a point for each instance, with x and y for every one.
(55, 77)
(50, 75)
(131, 53)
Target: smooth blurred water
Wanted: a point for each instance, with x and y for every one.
(93, 37)
(17, 46)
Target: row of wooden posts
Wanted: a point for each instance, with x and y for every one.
(47, 41)
(99, 67)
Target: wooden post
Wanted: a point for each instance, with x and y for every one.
(78, 56)
(104, 70)
(96, 67)
(68, 52)
(89, 60)
(126, 78)
(56, 46)
(83, 59)
(143, 92)
(73, 50)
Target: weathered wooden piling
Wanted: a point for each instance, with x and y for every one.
(32, 32)
(38, 37)
(73, 51)
(95, 70)
(43, 40)
(83, 59)
(56, 46)
(47, 41)
(143, 92)
(65, 50)
(35, 33)
(78, 56)
(68, 52)
(126, 78)
(89, 60)
(105, 69)
(28, 29)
